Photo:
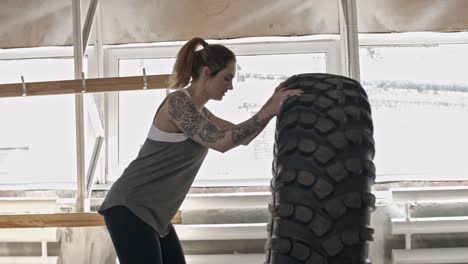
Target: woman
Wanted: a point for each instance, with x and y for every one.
(140, 205)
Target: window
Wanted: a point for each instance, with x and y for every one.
(257, 77)
(261, 67)
(419, 97)
(37, 139)
(135, 122)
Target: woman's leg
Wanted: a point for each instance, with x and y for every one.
(134, 240)
(171, 249)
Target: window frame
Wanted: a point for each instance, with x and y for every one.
(32, 53)
(414, 39)
(328, 44)
(36, 53)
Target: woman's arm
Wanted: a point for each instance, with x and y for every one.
(225, 125)
(221, 123)
(186, 116)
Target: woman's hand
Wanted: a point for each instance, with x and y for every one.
(274, 104)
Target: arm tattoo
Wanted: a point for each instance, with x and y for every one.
(207, 113)
(184, 112)
(247, 130)
(210, 133)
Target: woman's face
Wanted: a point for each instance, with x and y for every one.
(219, 84)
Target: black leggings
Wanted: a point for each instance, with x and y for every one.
(136, 242)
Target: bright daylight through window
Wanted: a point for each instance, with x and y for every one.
(37, 136)
(419, 98)
(256, 78)
(418, 92)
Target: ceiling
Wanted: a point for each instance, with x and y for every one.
(36, 23)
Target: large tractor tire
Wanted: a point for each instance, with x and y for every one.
(322, 174)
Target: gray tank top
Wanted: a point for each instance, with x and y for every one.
(155, 184)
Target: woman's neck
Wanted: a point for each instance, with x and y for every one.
(199, 96)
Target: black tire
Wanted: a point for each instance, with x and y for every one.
(322, 174)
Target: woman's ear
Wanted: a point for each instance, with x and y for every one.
(205, 72)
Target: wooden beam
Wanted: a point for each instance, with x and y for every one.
(99, 85)
(59, 220)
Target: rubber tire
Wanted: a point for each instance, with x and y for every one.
(322, 174)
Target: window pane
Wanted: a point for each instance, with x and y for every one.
(37, 138)
(36, 70)
(420, 107)
(135, 122)
(257, 76)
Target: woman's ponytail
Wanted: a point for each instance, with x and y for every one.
(182, 71)
(190, 60)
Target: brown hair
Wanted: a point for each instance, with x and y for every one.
(189, 61)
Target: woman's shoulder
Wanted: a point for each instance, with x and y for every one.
(179, 98)
(179, 93)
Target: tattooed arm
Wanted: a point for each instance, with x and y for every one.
(251, 129)
(225, 125)
(183, 112)
(186, 116)
(221, 123)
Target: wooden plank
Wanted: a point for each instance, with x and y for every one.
(59, 220)
(98, 85)
(51, 220)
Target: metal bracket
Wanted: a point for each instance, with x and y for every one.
(145, 79)
(83, 83)
(25, 90)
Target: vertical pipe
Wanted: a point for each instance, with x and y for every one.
(408, 219)
(80, 156)
(97, 69)
(99, 64)
(349, 39)
(88, 24)
(92, 167)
